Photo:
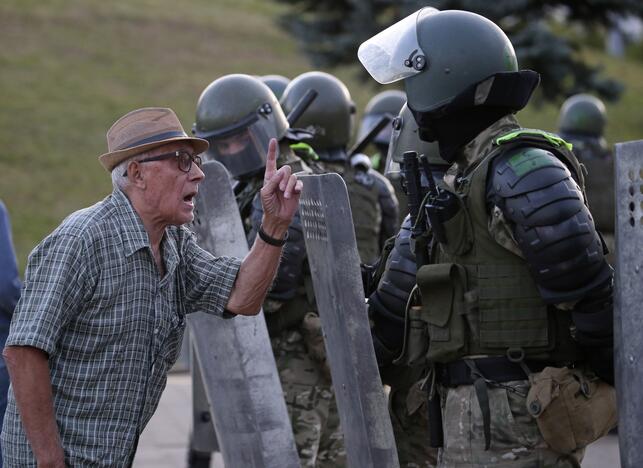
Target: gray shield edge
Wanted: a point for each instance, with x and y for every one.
(334, 264)
(628, 324)
(234, 356)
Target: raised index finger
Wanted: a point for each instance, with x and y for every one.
(271, 160)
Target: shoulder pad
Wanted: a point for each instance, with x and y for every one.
(525, 169)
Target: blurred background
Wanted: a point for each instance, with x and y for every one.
(70, 68)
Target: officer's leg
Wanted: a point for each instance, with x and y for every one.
(407, 407)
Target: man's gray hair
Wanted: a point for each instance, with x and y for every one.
(119, 180)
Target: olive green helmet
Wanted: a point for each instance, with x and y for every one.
(331, 114)
(405, 137)
(238, 115)
(582, 114)
(276, 83)
(385, 103)
(438, 54)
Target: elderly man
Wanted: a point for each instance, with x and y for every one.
(103, 308)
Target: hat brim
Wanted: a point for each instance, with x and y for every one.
(110, 160)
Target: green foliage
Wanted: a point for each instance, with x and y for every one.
(330, 31)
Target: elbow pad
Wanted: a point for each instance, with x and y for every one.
(551, 223)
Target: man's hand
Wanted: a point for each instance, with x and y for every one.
(279, 195)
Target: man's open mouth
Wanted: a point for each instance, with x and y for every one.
(189, 198)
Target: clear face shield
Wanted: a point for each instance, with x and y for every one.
(368, 122)
(242, 147)
(395, 53)
(392, 167)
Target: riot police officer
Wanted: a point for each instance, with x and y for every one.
(330, 117)
(582, 123)
(387, 305)
(513, 293)
(238, 115)
(389, 103)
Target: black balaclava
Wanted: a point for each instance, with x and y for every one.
(456, 123)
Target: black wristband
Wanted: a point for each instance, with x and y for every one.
(271, 240)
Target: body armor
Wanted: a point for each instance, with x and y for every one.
(481, 298)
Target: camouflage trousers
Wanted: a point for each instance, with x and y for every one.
(515, 438)
(310, 402)
(407, 408)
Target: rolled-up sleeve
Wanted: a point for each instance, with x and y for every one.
(208, 280)
(52, 294)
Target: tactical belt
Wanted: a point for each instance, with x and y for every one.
(498, 369)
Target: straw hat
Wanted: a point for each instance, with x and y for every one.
(142, 130)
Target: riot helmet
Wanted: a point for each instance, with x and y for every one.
(459, 69)
(582, 114)
(276, 83)
(330, 116)
(385, 103)
(238, 115)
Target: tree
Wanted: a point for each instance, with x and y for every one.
(330, 31)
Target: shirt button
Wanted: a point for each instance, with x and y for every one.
(156, 331)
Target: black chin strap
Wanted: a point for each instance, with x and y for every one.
(457, 123)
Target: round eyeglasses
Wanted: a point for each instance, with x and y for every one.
(184, 159)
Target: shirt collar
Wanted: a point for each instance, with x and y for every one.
(132, 230)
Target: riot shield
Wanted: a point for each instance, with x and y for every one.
(628, 333)
(334, 265)
(234, 356)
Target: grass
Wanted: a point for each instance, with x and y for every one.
(72, 67)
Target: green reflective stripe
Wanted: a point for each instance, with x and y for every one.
(305, 150)
(550, 137)
(376, 160)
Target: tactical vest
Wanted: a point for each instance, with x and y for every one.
(366, 212)
(478, 298)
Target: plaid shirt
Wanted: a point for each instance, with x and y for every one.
(93, 300)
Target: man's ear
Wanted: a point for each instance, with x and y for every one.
(136, 175)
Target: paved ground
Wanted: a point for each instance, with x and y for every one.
(163, 444)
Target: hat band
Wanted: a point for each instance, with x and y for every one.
(152, 139)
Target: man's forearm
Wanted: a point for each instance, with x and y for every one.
(29, 372)
(256, 273)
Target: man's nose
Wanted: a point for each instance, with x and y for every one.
(196, 173)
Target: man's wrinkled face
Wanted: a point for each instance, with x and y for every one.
(232, 145)
(169, 192)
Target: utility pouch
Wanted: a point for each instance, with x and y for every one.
(457, 228)
(572, 408)
(442, 287)
(416, 339)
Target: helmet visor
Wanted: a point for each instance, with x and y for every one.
(395, 53)
(394, 158)
(368, 122)
(243, 151)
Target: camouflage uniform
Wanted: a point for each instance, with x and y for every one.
(310, 401)
(516, 439)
